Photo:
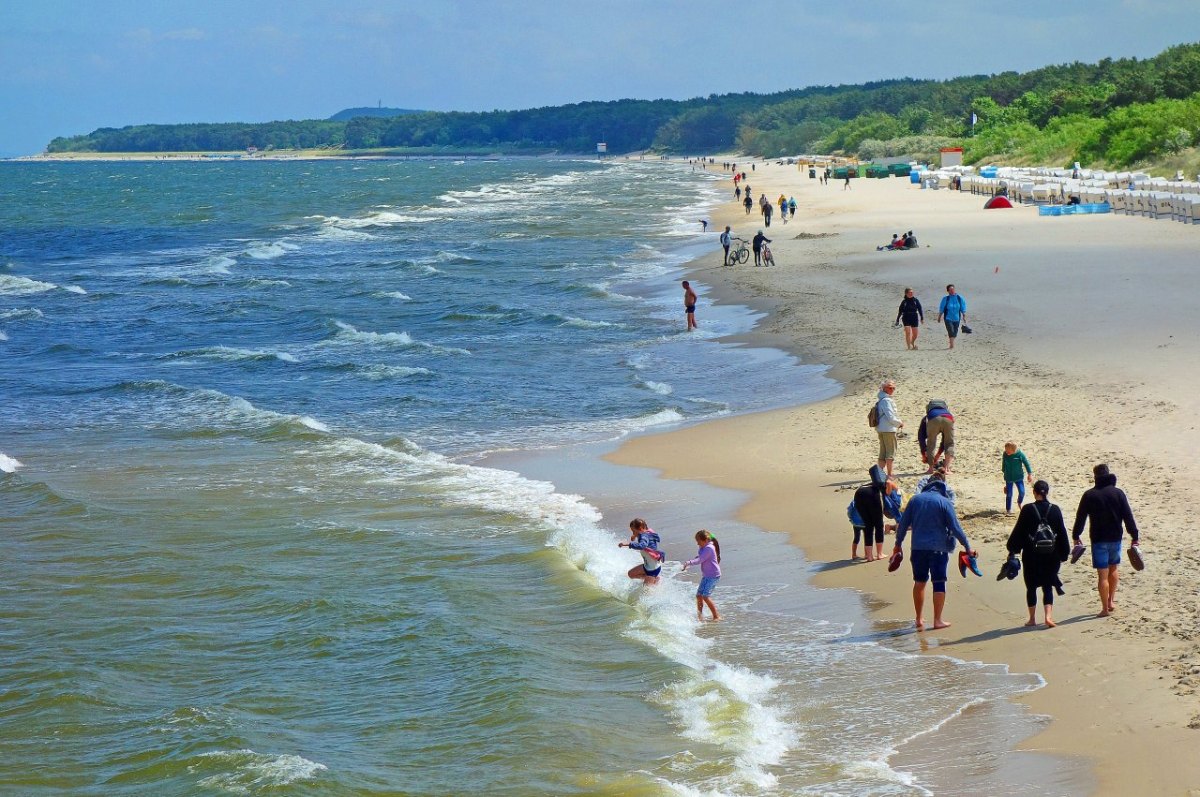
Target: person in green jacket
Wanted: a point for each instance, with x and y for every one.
(1016, 472)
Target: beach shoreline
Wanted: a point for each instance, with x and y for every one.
(1120, 691)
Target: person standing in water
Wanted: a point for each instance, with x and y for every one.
(709, 559)
(689, 304)
(643, 540)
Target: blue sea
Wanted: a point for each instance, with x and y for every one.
(256, 539)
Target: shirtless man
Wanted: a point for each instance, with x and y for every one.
(689, 305)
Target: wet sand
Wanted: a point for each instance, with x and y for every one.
(1082, 353)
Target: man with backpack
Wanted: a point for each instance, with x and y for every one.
(1040, 536)
(884, 418)
(953, 309)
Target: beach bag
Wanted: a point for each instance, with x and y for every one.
(1042, 537)
(873, 416)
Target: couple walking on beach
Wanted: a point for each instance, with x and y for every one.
(645, 541)
(952, 311)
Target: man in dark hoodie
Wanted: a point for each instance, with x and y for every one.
(1107, 508)
(935, 527)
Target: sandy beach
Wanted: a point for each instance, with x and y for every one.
(1081, 354)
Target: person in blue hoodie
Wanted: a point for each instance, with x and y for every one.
(935, 532)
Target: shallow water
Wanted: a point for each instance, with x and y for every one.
(253, 542)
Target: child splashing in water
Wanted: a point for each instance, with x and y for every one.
(643, 540)
(709, 559)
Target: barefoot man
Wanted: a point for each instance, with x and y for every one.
(1106, 506)
(935, 527)
(689, 305)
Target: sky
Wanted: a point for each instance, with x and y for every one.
(71, 66)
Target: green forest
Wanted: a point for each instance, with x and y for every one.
(1115, 113)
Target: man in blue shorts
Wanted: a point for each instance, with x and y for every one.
(1108, 509)
(953, 311)
(935, 527)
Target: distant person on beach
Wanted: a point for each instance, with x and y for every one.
(872, 502)
(643, 540)
(846, 185)
(689, 304)
(726, 241)
(953, 308)
(737, 193)
(890, 245)
(709, 559)
(889, 423)
(910, 240)
(1107, 508)
(703, 225)
(1016, 468)
(748, 203)
(912, 315)
(1040, 536)
(783, 208)
(767, 210)
(792, 207)
(936, 436)
(935, 529)
(756, 243)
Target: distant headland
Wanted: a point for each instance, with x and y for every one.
(1114, 113)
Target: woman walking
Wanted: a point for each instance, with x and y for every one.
(912, 315)
(1040, 536)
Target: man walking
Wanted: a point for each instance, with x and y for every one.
(726, 240)
(889, 423)
(689, 305)
(1107, 508)
(756, 243)
(936, 529)
(953, 309)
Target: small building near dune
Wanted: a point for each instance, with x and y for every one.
(997, 202)
(952, 156)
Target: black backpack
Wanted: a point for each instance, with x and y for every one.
(1042, 537)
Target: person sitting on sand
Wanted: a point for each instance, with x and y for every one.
(643, 540)
(890, 245)
(910, 240)
(1107, 507)
(936, 529)
(1040, 536)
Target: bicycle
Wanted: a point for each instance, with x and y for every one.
(768, 259)
(739, 252)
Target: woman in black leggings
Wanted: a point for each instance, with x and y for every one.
(1040, 563)
(912, 315)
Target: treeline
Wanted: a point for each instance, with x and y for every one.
(1116, 112)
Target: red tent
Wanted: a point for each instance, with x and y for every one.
(997, 202)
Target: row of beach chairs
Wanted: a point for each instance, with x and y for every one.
(1130, 193)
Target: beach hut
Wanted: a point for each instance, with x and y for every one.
(997, 202)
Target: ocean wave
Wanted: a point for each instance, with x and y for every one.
(20, 314)
(11, 285)
(270, 251)
(585, 323)
(403, 297)
(348, 335)
(256, 282)
(660, 388)
(379, 372)
(217, 264)
(8, 464)
(382, 218)
(74, 289)
(253, 772)
(335, 233)
(232, 354)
